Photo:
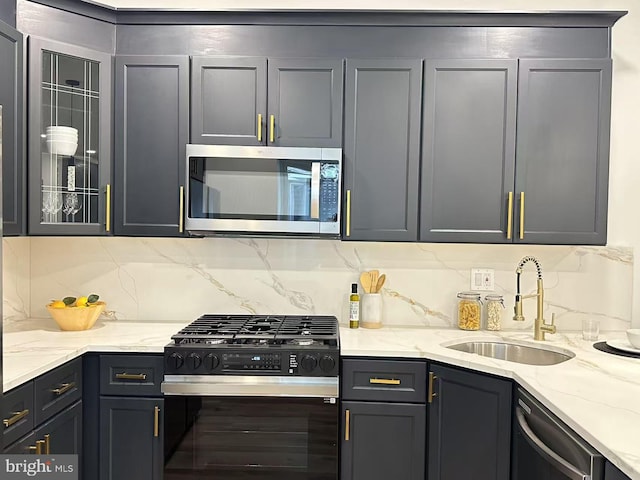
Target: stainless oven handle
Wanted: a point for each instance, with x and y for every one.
(250, 385)
(549, 455)
(315, 190)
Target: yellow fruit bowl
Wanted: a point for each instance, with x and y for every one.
(76, 318)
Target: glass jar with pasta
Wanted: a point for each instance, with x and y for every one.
(494, 306)
(469, 309)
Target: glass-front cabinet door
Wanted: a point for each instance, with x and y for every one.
(69, 139)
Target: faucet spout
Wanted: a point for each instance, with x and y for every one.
(540, 327)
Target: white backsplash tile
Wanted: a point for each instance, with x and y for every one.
(147, 279)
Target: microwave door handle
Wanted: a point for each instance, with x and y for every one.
(545, 452)
(315, 190)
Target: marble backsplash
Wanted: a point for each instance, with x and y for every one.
(161, 279)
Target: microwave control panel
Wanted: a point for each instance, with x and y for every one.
(329, 192)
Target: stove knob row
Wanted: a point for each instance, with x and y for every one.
(193, 361)
(310, 362)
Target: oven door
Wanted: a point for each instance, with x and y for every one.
(261, 438)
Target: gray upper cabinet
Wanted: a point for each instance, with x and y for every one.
(468, 150)
(152, 114)
(259, 101)
(69, 139)
(382, 149)
(11, 124)
(562, 151)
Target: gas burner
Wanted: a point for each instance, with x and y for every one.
(216, 341)
(305, 332)
(303, 342)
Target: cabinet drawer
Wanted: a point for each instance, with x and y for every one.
(138, 375)
(17, 412)
(384, 380)
(57, 389)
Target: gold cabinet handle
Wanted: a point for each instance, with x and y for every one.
(384, 381)
(348, 208)
(47, 444)
(107, 213)
(272, 128)
(15, 417)
(347, 416)
(131, 376)
(181, 220)
(37, 448)
(431, 394)
(65, 387)
(521, 215)
(509, 215)
(259, 127)
(156, 420)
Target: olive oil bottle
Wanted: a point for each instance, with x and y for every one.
(354, 307)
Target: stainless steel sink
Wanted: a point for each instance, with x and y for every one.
(514, 352)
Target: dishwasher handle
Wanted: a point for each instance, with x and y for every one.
(549, 455)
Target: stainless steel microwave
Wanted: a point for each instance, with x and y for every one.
(278, 190)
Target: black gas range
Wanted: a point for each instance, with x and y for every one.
(282, 354)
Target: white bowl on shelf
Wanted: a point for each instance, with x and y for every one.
(62, 147)
(61, 129)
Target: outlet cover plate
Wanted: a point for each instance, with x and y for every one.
(482, 279)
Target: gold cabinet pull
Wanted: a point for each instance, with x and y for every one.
(107, 213)
(431, 394)
(131, 376)
(259, 127)
(64, 388)
(348, 208)
(39, 447)
(272, 128)
(509, 215)
(521, 215)
(384, 381)
(181, 220)
(15, 417)
(47, 444)
(347, 416)
(156, 420)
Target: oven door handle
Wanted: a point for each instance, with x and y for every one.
(545, 452)
(250, 385)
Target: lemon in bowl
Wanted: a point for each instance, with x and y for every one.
(73, 314)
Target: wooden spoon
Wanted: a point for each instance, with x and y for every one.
(380, 283)
(374, 280)
(365, 280)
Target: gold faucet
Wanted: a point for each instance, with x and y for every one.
(540, 327)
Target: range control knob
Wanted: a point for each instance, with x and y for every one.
(308, 363)
(193, 361)
(211, 361)
(175, 361)
(327, 364)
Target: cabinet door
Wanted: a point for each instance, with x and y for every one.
(63, 433)
(69, 139)
(11, 132)
(131, 431)
(611, 472)
(305, 100)
(382, 441)
(468, 150)
(152, 95)
(228, 100)
(562, 151)
(382, 149)
(469, 426)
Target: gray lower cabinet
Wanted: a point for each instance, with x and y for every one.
(152, 114)
(45, 415)
(382, 149)
(611, 472)
(69, 139)
(259, 101)
(12, 131)
(383, 419)
(562, 151)
(468, 150)
(469, 433)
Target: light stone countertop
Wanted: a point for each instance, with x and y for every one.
(595, 393)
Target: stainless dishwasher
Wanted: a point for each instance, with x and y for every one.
(545, 448)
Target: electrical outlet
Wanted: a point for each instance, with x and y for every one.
(482, 279)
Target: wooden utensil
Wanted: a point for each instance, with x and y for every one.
(365, 281)
(380, 283)
(374, 280)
